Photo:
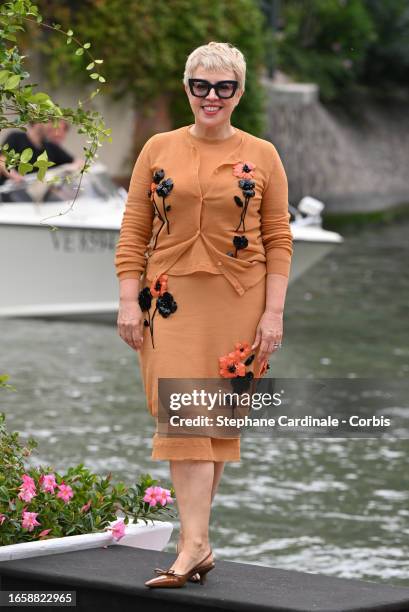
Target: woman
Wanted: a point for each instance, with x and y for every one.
(207, 226)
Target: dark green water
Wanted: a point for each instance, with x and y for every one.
(338, 507)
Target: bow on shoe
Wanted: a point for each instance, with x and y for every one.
(161, 571)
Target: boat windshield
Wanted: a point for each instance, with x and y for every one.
(96, 185)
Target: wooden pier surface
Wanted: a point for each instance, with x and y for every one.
(113, 579)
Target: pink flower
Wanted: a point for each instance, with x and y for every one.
(155, 495)
(244, 170)
(118, 529)
(86, 506)
(151, 496)
(30, 520)
(28, 482)
(44, 533)
(2, 518)
(47, 482)
(26, 494)
(27, 489)
(65, 492)
(165, 497)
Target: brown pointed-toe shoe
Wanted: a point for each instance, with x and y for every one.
(170, 579)
(195, 577)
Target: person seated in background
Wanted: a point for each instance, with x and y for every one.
(19, 140)
(39, 137)
(54, 138)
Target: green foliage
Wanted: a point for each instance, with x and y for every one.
(21, 104)
(346, 46)
(387, 60)
(145, 46)
(93, 506)
(325, 42)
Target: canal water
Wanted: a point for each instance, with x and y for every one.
(338, 507)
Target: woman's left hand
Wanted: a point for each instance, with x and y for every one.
(269, 332)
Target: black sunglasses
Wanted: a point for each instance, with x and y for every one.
(223, 89)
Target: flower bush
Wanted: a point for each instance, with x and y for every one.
(38, 503)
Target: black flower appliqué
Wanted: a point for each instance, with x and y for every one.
(247, 186)
(240, 242)
(244, 171)
(145, 299)
(165, 304)
(162, 188)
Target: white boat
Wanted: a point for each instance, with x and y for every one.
(69, 272)
(310, 241)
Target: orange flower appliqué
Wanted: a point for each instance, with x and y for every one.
(244, 170)
(152, 191)
(264, 367)
(242, 350)
(160, 286)
(231, 366)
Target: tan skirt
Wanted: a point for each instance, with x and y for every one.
(209, 321)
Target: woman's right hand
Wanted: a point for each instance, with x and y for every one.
(130, 323)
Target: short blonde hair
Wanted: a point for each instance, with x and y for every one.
(217, 56)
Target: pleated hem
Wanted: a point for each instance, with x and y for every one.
(162, 456)
(202, 449)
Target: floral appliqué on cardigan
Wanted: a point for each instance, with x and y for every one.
(162, 187)
(244, 171)
(165, 304)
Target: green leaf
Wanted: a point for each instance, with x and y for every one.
(101, 79)
(70, 33)
(98, 61)
(69, 40)
(87, 45)
(42, 164)
(90, 66)
(43, 157)
(79, 51)
(94, 75)
(41, 173)
(4, 75)
(39, 97)
(26, 155)
(12, 82)
(24, 168)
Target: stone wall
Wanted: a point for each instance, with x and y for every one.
(351, 164)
